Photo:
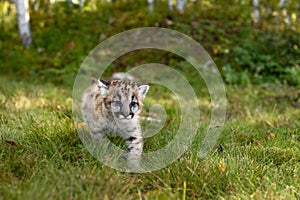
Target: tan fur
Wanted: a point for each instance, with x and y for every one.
(112, 107)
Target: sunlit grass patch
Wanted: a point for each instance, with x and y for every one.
(42, 157)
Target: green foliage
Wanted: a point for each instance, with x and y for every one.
(64, 34)
(267, 59)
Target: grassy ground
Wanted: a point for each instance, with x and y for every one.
(42, 157)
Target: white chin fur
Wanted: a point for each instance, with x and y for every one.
(121, 117)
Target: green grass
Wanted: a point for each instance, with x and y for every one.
(42, 157)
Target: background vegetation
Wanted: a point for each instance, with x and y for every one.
(42, 157)
(245, 52)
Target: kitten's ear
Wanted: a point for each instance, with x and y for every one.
(143, 89)
(103, 85)
(94, 81)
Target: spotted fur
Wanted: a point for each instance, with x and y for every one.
(112, 107)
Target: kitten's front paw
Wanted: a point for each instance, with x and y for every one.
(133, 163)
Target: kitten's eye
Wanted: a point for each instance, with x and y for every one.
(133, 103)
(118, 103)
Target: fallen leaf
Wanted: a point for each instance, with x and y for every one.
(11, 142)
(269, 123)
(222, 166)
(169, 22)
(69, 46)
(80, 124)
(257, 142)
(271, 134)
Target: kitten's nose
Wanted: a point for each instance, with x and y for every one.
(129, 116)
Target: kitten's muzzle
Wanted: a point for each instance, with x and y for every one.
(125, 116)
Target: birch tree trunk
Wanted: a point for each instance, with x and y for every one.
(23, 22)
(170, 5)
(151, 5)
(284, 12)
(81, 4)
(256, 15)
(281, 3)
(180, 5)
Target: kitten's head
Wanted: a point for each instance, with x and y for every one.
(122, 97)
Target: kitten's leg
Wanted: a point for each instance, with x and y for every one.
(101, 147)
(96, 135)
(134, 145)
(99, 132)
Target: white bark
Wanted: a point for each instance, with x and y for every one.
(24, 22)
(82, 2)
(151, 5)
(281, 3)
(180, 5)
(284, 12)
(170, 4)
(256, 14)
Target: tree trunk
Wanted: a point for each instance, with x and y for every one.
(180, 5)
(24, 22)
(284, 12)
(151, 5)
(170, 5)
(256, 15)
(281, 3)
